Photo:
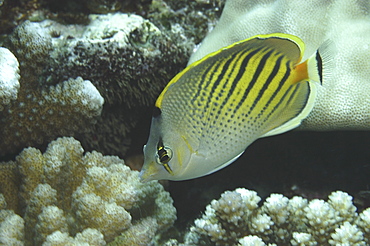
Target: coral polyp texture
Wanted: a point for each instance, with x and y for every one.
(71, 198)
(238, 219)
(339, 29)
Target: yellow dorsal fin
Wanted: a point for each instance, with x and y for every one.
(289, 45)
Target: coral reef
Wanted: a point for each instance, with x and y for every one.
(196, 18)
(126, 58)
(41, 110)
(129, 60)
(192, 15)
(13, 13)
(237, 218)
(69, 198)
(343, 101)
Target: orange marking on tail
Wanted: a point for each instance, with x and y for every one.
(300, 72)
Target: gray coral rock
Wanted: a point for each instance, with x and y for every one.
(9, 79)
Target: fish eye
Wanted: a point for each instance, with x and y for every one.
(163, 156)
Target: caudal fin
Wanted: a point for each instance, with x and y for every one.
(314, 67)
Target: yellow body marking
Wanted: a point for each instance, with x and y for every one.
(168, 169)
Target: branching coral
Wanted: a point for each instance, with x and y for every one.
(343, 100)
(89, 236)
(70, 197)
(237, 218)
(11, 225)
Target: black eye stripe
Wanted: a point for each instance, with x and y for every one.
(160, 144)
(162, 153)
(163, 156)
(164, 159)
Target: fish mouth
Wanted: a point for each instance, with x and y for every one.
(148, 172)
(145, 176)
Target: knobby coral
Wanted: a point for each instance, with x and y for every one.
(71, 198)
(343, 100)
(11, 225)
(237, 219)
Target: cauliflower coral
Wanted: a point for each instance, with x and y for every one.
(69, 197)
(238, 219)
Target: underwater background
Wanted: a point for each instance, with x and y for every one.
(78, 81)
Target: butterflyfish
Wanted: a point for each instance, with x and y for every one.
(209, 113)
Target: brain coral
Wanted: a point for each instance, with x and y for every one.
(237, 217)
(343, 101)
(71, 198)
